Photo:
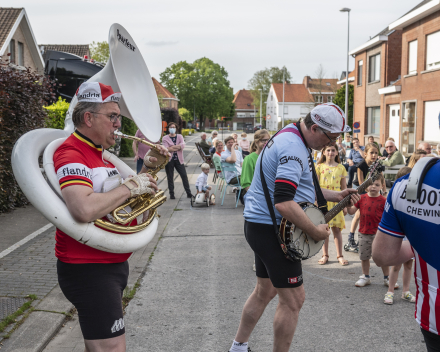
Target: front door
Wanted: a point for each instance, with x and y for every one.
(395, 123)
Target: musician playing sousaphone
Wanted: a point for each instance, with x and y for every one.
(94, 280)
(288, 175)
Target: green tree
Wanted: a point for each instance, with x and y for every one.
(185, 114)
(339, 100)
(202, 86)
(56, 114)
(262, 80)
(99, 51)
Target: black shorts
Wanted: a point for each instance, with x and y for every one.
(432, 341)
(270, 261)
(96, 292)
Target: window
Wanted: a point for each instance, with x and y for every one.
(412, 57)
(252, 114)
(360, 71)
(374, 68)
(433, 51)
(432, 109)
(329, 99)
(271, 97)
(241, 114)
(286, 109)
(12, 51)
(374, 120)
(328, 83)
(318, 99)
(20, 54)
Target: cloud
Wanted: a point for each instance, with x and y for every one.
(161, 42)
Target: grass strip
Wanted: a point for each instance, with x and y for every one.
(12, 318)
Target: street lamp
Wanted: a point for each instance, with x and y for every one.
(261, 105)
(346, 9)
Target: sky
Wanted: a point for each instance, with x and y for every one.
(242, 36)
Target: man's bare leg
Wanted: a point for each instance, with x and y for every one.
(114, 344)
(254, 307)
(286, 316)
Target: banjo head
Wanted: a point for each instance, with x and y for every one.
(295, 238)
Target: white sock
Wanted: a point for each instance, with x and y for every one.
(239, 346)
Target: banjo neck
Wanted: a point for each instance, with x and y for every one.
(346, 201)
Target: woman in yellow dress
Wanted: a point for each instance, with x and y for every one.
(332, 175)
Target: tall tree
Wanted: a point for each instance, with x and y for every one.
(201, 86)
(262, 80)
(100, 51)
(340, 101)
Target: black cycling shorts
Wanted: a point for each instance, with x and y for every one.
(270, 261)
(96, 292)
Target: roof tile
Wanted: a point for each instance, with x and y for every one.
(8, 16)
(75, 49)
(292, 93)
(161, 90)
(243, 100)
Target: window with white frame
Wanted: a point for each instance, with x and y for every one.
(330, 99)
(241, 114)
(286, 109)
(412, 57)
(374, 74)
(252, 114)
(432, 109)
(373, 120)
(433, 51)
(318, 99)
(360, 71)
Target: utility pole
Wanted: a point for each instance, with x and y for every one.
(346, 9)
(261, 107)
(282, 116)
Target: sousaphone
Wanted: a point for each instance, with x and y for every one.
(126, 72)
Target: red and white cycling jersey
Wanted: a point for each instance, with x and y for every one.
(78, 161)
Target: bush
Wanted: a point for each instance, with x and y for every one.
(22, 96)
(130, 128)
(185, 132)
(56, 114)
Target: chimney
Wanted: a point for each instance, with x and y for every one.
(306, 81)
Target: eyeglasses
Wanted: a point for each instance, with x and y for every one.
(112, 117)
(331, 140)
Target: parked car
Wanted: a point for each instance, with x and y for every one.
(247, 128)
(257, 127)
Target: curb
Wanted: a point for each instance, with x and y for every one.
(49, 315)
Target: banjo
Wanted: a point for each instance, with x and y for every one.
(301, 243)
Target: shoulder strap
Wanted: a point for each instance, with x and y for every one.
(417, 175)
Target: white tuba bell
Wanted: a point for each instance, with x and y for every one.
(126, 72)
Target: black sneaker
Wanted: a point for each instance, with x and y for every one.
(353, 247)
(172, 196)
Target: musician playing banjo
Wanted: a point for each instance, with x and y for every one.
(91, 279)
(287, 171)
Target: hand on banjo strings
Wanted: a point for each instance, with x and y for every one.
(322, 232)
(355, 197)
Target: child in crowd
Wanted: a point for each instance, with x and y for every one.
(332, 176)
(371, 206)
(407, 266)
(244, 144)
(202, 181)
(371, 153)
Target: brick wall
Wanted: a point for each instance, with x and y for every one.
(421, 87)
(393, 57)
(28, 60)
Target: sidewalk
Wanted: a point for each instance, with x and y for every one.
(31, 268)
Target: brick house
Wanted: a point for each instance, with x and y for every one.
(167, 99)
(377, 65)
(406, 104)
(245, 111)
(17, 39)
(299, 99)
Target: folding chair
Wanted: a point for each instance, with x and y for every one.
(205, 158)
(220, 180)
(227, 167)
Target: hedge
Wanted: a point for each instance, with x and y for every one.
(22, 95)
(56, 114)
(185, 131)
